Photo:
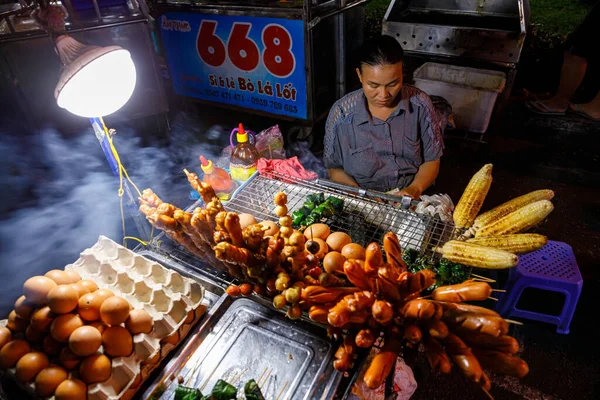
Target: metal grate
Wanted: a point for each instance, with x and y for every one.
(365, 219)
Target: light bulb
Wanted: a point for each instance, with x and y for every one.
(96, 81)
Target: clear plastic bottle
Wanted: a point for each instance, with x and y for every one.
(243, 158)
(218, 178)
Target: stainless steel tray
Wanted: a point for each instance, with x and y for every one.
(250, 340)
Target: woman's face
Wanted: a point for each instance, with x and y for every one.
(381, 83)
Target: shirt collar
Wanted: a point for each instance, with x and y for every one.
(363, 115)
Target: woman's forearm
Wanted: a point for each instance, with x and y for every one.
(338, 175)
(426, 175)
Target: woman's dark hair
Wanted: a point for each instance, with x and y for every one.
(382, 50)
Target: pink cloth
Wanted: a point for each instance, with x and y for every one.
(289, 166)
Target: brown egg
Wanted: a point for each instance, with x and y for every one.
(51, 346)
(246, 220)
(71, 389)
(117, 341)
(48, 380)
(23, 309)
(5, 336)
(59, 276)
(42, 318)
(12, 352)
(63, 299)
(73, 275)
(63, 326)
(91, 285)
(85, 340)
(30, 365)
(15, 323)
(36, 289)
(114, 310)
(81, 289)
(353, 251)
(139, 321)
(68, 359)
(89, 306)
(95, 368)
(334, 262)
(323, 248)
(33, 335)
(136, 382)
(337, 240)
(171, 339)
(101, 326)
(270, 226)
(104, 293)
(317, 231)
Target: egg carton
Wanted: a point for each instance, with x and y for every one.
(174, 302)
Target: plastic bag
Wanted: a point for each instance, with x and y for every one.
(404, 387)
(269, 143)
(440, 204)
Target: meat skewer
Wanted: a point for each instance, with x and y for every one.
(204, 189)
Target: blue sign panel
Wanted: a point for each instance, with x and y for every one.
(250, 62)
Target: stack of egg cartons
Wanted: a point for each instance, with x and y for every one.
(173, 301)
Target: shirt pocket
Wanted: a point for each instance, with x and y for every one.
(363, 162)
(411, 149)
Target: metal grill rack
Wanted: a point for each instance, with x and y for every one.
(365, 219)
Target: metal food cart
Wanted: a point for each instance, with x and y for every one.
(472, 33)
(288, 59)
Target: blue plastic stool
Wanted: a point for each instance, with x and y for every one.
(554, 268)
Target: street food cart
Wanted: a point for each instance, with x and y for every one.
(207, 304)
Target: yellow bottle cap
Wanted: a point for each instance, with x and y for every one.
(207, 165)
(242, 136)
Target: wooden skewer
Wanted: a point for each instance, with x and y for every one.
(499, 290)
(483, 277)
(233, 377)
(512, 321)
(266, 379)
(261, 376)
(239, 377)
(282, 390)
(192, 373)
(492, 298)
(208, 379)
(488, 394)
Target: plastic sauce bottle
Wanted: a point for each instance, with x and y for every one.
(218, 178)
(244, 157)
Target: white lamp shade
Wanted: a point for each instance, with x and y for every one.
(96, 81)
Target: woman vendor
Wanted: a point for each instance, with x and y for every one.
(386, 136)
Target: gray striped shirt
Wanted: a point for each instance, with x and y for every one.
(383, 155)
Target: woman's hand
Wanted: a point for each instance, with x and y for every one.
(411, 191)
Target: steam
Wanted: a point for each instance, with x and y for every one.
(59, 193)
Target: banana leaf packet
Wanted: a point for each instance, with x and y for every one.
(252, 391)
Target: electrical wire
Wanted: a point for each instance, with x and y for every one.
(121, 191)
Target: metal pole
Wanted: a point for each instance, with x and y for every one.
(140, 222)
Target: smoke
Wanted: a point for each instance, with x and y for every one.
(59, 193)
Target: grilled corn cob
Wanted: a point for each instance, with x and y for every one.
(518, 243)
(518, 221)
(472, 198)
(478, 256)
(512, 205)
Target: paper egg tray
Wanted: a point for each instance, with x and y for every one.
(173, 301)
